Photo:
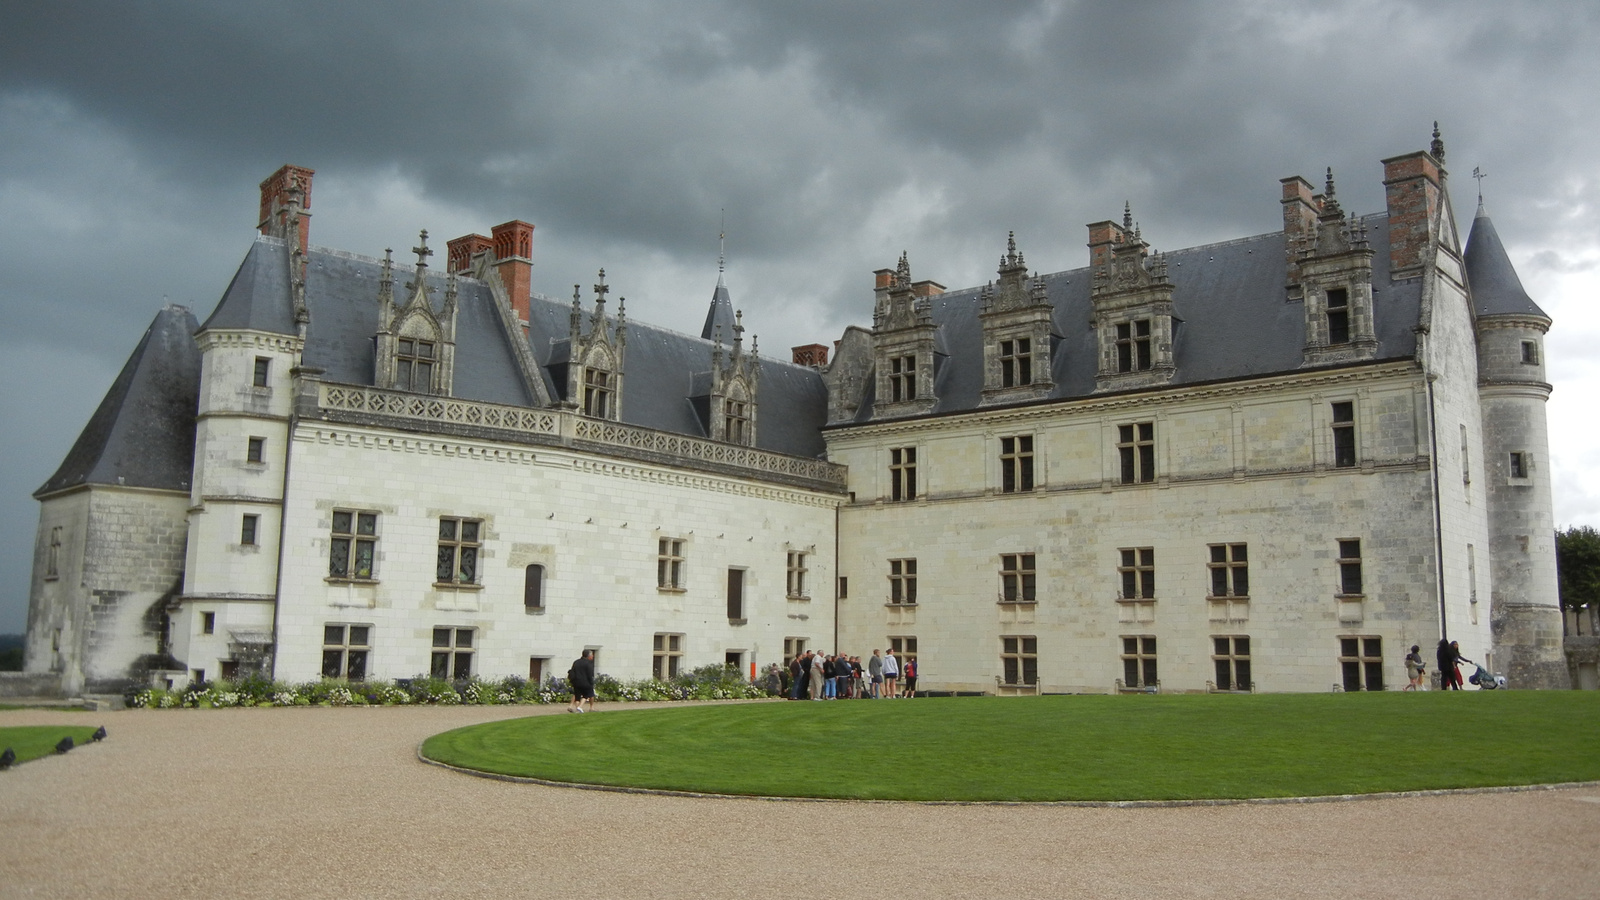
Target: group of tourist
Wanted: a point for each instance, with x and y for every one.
(1449, 658)
(818, 676)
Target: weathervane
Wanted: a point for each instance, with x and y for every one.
(1480, 175)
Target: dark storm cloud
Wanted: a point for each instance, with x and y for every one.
(831, 135)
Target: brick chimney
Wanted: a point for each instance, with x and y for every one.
(1411, 185)
(810, 355)
(459, 252)
(1102, 237)
(289, 186)
(513, 251)
(1301, 207)
(926, 288)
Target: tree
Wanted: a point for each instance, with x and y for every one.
(1578, 566)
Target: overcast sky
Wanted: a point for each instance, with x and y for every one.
(831, 136)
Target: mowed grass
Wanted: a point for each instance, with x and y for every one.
(1168, 747)
(34, 741)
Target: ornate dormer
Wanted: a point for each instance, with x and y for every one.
(735, 377)
(594, 370)
(1132, 299)
(416, 346)
(1335, 270)
(903, 343)
(1017, 333)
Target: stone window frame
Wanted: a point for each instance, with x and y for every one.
(666, 655)
(1228, 567)
(1350, 570)
(902, 378)
(1136, 573)
(1337, 315)
(52, 559)
(208, 622)
(1136, 452)
(902, 582)
(735, 421)
(346, 653)
(453, 649)
(1530, 353)
(249, 529)
(1139, 661)
(255, 450)
(1230, 658)
(345, 547)
(1519, 467)
(1019, 660)
(902, 474)
(262, 372)
(1017, 461)
(1015, 355)
(904, 647)
(737, 583)
(412, 365)
(797, 570)
(1133, 343)
(1019, 578)
(671, 565)
(533, 581)
(462, 538)
(1361, 662)
(792, 647)
(599, 387)
(1346, 445)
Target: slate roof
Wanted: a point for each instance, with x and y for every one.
(1231, 320)
(659, 369)
(142, 435)
(720, 315)
(1496, 289)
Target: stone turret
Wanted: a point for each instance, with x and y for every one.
(1525, 613)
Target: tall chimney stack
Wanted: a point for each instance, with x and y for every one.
(288, 187)
(513, 251)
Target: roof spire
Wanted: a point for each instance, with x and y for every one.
(1437, 147)
(722, 247)
(1127, 216)
(1479, 174)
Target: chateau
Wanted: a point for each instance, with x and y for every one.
(1273, 463)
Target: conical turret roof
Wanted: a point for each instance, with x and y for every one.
(1496, 289)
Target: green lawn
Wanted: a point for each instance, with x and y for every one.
(1058, 748)
(34, 741)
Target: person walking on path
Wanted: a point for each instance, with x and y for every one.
(1415, 668)
(875, 672)
(1449, 677)
(891, 674)
(581, 679)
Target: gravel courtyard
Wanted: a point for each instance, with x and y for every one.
(291, 803)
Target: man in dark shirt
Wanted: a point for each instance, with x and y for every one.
(581, 677)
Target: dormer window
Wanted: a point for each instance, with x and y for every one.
(597, 388)
(902, 378)
(414, 362)
(1016, 362)
(736, 421)
(1338, 316)
(1133, 346)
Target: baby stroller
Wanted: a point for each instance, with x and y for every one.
(1486, 680)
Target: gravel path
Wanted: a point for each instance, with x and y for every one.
(292, 803)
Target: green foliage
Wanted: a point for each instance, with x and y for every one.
(1060, 748)
(11, 659)
(34, 741)
(1578, 566)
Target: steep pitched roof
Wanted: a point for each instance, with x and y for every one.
(1496, 289)
(1231, 320)
(143, 433)
(258, 297)
(720, 315)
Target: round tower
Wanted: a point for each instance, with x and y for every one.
(1525, 608)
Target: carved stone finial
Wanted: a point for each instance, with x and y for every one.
(902, 272)
(1011, 246)
(423, 252)
(602, 289)
(1127, 215)
(1328, 190)
(1437, 147)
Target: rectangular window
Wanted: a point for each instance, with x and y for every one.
(1230, 570)
(736, 595)
(353, 544)
(668, 652)
(792, 647)
(1138, 571)
(905, 649)
(52, 560)
(1136, 447)
(844, 588)
(1139, 660)
(1350, 567)
(1530, 353)
(1016, 464)
(459, 548)
(735, 421)
(1466, 463)
(452, 653)
(1344, 434)
(1231, 657)
(1339, 316)
(263, 367)
(669, 564)
(1519, 465)
(208, 623)
(903, 473)
(533, 587)
(797, 586)
(1016, 362)
(1018, 580)
(903, 581)
(344, 651)
(597, 393)
(1019, 660)
(902, 378)
(255, 450)
(413, 365)
(1133, 346)
(1361, 659)
(247, 529)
